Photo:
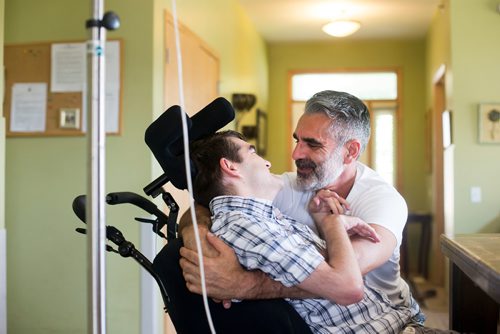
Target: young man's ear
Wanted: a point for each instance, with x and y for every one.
(353, 151)
(228, 167)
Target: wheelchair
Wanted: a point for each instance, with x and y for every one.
(186, 310)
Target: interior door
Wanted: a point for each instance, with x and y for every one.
(200, 67)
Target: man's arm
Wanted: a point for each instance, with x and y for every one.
(186, 230)
(225, 278)
(372, 255)
(202, 218)
(339, 278)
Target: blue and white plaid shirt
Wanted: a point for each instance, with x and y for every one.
(265, 239)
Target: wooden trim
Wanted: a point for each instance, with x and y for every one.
(439, 105)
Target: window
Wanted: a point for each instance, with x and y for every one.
(364, 85)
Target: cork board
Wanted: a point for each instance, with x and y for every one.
(29, 78)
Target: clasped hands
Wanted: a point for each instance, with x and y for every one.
(327, 202)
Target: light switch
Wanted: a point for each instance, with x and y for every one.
(475, 194)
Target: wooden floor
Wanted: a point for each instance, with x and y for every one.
(434, 302)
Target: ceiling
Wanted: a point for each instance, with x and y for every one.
(301, 20)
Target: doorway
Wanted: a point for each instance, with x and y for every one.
(442, 170)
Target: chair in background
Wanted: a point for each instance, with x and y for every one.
(424, 221)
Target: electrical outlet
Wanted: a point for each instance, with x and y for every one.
(475, 194)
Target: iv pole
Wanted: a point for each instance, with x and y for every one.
(96, 135)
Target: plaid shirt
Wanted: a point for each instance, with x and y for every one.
(265, 239)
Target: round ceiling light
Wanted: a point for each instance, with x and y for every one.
(341, 28)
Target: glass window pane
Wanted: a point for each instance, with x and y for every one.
(366, 86)
(383, 144)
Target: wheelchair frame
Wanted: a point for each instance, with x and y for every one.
(127, 248)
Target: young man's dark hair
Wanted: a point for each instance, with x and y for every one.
(206, 153)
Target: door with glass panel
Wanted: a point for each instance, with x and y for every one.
(379, 90)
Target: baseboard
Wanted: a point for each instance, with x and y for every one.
(3, 282)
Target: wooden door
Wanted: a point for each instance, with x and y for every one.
(200, 67)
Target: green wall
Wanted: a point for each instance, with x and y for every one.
(409, 56)
(3, 246)
(475, 27)
(46, 264)
(2, 131)
(463, 37)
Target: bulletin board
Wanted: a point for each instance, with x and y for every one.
(41, 99)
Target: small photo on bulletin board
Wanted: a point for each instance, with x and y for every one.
(46, 88)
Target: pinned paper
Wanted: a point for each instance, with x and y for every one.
(28, 107)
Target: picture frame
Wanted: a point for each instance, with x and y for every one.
(489, 123)
(69, 118)
(261, 132)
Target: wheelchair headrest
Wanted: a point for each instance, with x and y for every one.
(164, 136)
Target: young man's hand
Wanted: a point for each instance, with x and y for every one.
(327, 202)
(330, 202)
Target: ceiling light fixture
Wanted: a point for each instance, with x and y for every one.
(341, 28)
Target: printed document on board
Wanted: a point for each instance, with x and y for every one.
(68, 67)
(28, 107)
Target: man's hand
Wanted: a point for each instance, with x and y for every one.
(224, 276)
(327, 202)
(355, 226)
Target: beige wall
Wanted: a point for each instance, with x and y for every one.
(409, 56)
(46, 264)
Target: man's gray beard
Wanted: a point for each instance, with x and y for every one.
(323, 175)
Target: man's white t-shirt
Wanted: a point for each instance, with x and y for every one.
(374, 201)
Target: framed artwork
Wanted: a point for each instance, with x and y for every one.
(489, 123)
(261, 132)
